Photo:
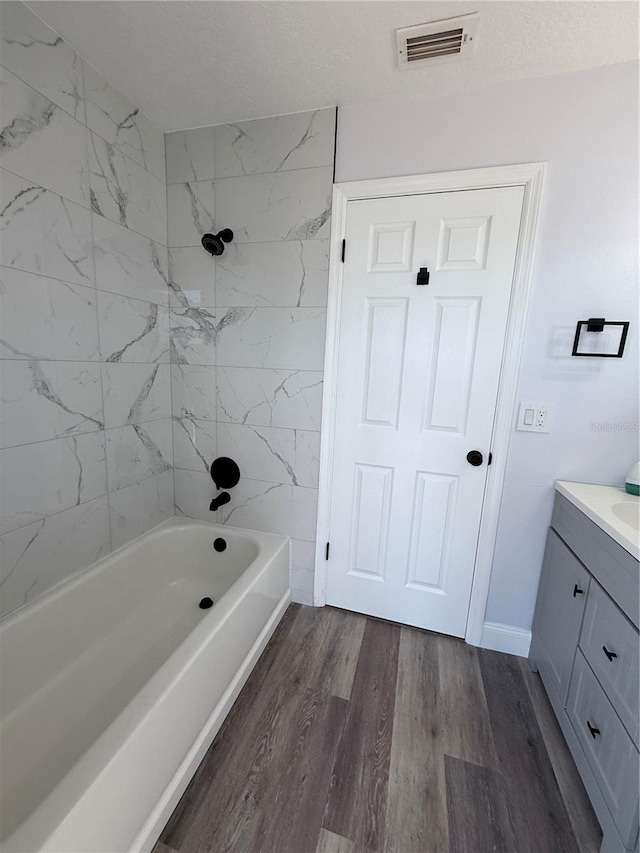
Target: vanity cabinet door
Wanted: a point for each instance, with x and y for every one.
(559, 611)
(610, 644)
(608, 748)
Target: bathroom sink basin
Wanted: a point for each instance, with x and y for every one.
(629, 512)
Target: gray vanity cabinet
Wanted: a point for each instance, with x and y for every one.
(585, 645)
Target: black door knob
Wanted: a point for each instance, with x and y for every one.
(474, 457)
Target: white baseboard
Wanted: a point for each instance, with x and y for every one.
(301, 596)
(506, 638)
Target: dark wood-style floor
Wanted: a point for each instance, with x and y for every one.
(355, 735)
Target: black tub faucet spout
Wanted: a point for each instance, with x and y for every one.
(221, 500)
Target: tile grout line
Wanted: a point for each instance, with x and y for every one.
(49, 515)
(276, 242)
(214, 272)
(85, 123)
(104, 432)
(93, 288)
(88, 209)
(172, 415)
(213, 178)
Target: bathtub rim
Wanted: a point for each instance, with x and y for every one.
(175, 522)
(151, 830)
(52, 810)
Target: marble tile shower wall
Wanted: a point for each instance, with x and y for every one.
(85, 405)
(248, 328)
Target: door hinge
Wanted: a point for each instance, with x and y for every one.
(326, 552)
(344, 249)
(490, 459)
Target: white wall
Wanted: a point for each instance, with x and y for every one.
(586, 125)
(85, 407)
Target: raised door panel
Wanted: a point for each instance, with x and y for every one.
(463, 243)
(454, 349)
(386, 321)
(432, 527)
(391, 246)
(558, 618)
(370, 521)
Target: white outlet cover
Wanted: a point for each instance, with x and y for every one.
(534, 417)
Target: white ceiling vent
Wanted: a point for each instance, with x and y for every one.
(450, 40)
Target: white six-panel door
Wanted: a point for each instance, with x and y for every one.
(418, 372)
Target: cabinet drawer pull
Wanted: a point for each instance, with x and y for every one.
(593, 731)
(610, 655)
(577, 591)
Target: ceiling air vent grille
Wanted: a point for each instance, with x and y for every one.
(441, 41)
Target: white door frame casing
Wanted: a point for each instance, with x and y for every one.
(531, 176)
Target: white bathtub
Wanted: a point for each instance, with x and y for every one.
(115, 683)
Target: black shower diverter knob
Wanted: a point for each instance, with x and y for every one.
(225, 473)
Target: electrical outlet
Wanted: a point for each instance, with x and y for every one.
(541, 417)
(534, 417)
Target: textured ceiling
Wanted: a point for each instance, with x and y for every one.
(193, 63)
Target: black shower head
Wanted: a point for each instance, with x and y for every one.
(214, 243)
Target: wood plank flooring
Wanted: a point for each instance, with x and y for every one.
(354, 735)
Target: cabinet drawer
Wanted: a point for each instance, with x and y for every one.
(607, 746)
(610, 644)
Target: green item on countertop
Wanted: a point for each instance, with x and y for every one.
(632, 488)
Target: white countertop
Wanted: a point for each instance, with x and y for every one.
(598, 502)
